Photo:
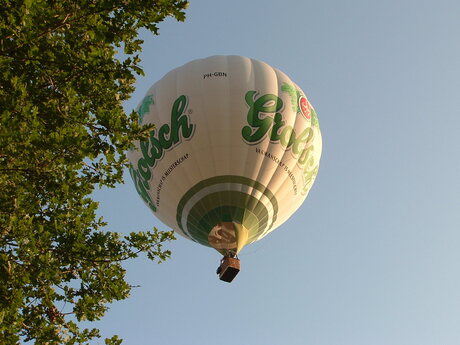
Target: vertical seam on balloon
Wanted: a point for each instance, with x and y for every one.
(286, 178)
(267, 140)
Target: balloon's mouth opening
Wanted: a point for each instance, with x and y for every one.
(228, 238)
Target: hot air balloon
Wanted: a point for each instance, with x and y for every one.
(234, 152)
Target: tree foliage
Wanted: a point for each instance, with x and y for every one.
(63, 131)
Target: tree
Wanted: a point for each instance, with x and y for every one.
(64, 132)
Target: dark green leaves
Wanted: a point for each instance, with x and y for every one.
(63, 131)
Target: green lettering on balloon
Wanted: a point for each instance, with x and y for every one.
(265, 118)
(179, 120)
(279, 123)
(165, 142)
(286, 135)
(141, 188)
(152, 149)
(143, 168)
(259, 126)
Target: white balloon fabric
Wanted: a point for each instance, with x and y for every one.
(235, 150)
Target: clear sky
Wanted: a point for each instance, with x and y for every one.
(372, 257)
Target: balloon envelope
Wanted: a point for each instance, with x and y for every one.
(235, 150)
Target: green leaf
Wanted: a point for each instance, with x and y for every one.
(63, 132)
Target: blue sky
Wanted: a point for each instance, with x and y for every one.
(372, 257)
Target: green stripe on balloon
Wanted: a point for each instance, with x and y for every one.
(226, 205)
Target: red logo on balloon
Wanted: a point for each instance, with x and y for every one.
(305, 107)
